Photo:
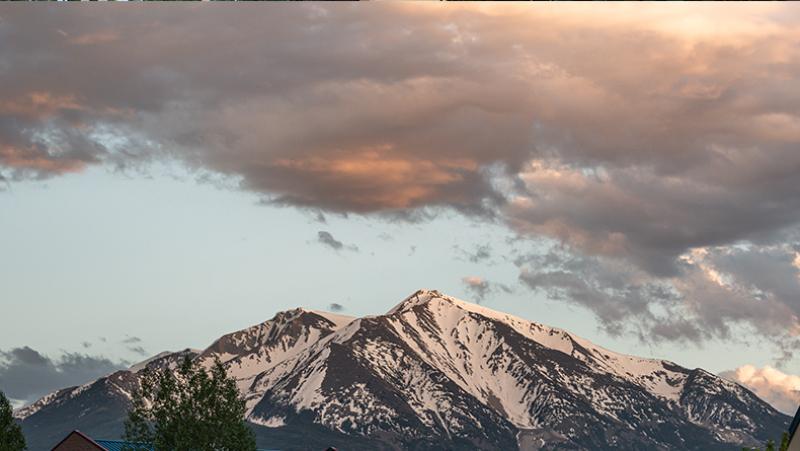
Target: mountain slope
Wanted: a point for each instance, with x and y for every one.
(99, 407)
(439, 373)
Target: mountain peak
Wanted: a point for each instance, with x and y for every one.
(435, 372)
(445, 302)
(418, 297)
(300, 313)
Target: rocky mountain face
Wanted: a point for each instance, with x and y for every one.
(98, 407)
(439, 373)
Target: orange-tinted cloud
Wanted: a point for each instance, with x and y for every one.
(38, 104)
(99, 37)
(374, 180)
(33, 159)
(629, 135)
(770, 384)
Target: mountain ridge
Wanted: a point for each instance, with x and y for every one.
(438, 371)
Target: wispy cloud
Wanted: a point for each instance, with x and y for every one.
(328, 240)
(137, 350)
(480, 253)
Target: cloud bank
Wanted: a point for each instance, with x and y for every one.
(655, 147)
(26, 374)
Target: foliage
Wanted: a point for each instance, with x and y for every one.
(190, 408)
(11, 438)
(784, 446)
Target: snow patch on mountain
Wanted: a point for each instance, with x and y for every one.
(436, 370)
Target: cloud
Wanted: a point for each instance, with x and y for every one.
(773, 386)
(26, 374)
(480, 288)
(393, 122)
(137, 350)
(704, 300)
(632, 137)
(477, 286)
(328, 240)
(622, 297)
(647, 218)
(335, 307)
(94, 38)
(132, 340)
(480, 253)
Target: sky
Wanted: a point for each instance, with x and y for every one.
(626, 172)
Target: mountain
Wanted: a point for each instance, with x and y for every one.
(438, 373)
(98, 407)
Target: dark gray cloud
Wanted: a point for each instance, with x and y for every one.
(482, 252)
(647, 218)
(612, 291)
(131, 340)
(26, 374)
(479, 253)
(769, 272)
(137, 350)
(335, 307)
(303, 135)
(328, 240)
(629, 137)
(709, 298)
(409, 113)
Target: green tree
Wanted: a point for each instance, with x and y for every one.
(784, 442)
(784, 446)
(190, 409)
(11, 438)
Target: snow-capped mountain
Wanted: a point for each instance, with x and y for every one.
(439, 373)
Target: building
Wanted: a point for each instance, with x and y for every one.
(78, 441)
